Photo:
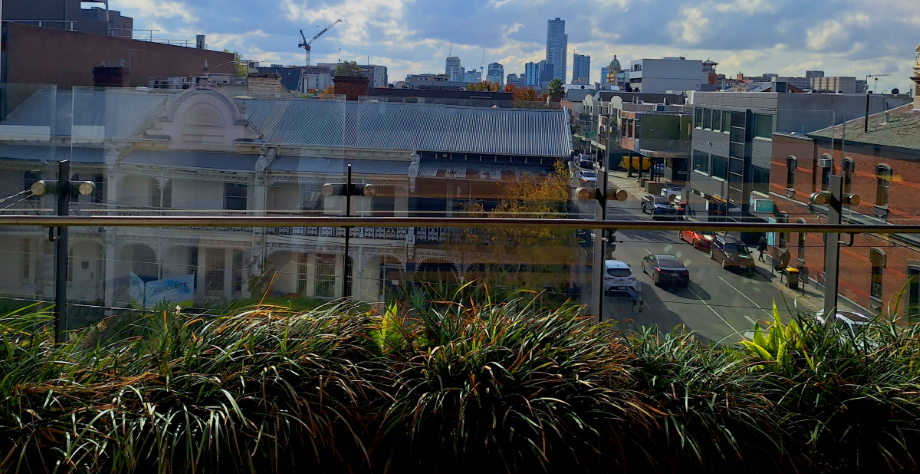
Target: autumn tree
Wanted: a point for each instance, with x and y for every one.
(525, 94)
(510, 87)
(484, 86)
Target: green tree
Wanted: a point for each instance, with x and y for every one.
(555, 89)
(240, 67)
(348, 68)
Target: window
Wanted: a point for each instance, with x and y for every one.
(303, 265)
(738, 119)
(235, 196)
(801, 252)
(791, 164)
(214, 271)
(877, 257)
(913, 290)
(717, 120)
(707, 118)
(720, 167)
(160, 196)
(698, 117)
(701, 161)
(193, 263)
(763, 126)
(849, 167)
(883, 177)
(324, 285)
(237, 272)
(826, 169)
(99, 182)
(311, 197)
(383, 206)
(70, 265)
(760, 177)
(726, 121)
(26, 269)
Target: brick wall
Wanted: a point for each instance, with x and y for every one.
(351, 87)
(264, 85)
(855, 263)
(48, 56)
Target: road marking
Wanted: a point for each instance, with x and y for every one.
(749, 319)
(745, 296)
(714, 311)
(649, 252)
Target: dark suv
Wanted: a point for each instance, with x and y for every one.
(731, 253)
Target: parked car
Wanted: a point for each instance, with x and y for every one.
(587, 178)
(671, 190)
(666, 269)
(855, 322)
(584, 162)
(619, 277)
(659, 207)
(700, 239)
(731, 253)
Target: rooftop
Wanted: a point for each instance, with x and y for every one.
(902, 129)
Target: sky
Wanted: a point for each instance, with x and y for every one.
(786, 37)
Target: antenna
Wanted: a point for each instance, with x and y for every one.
(451, 53)
(482, 74)
(876, 76)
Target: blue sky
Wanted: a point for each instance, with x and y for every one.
(842, 37)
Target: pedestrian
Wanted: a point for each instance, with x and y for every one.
(762, 247)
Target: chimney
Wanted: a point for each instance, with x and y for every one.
(264, 85)
(111, 76)
(199, 42)
(351, 86)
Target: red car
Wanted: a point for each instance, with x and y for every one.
(700, 239)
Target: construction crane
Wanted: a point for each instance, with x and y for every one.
(306, 44)
(482, 74)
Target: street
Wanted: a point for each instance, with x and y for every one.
(719, 304)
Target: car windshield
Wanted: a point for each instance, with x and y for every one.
(737, 248)
(589, 174)
(619, 272)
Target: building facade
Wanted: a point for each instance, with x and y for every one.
(581, 69)
(496, 73)
(660, 76)
(202, 152)
(557, 42)
(732, 146)
(454, 69)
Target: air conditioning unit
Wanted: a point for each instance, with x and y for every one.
(825, 162)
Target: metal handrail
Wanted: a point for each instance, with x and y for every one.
(457, 222)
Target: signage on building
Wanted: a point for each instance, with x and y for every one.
(172, 292)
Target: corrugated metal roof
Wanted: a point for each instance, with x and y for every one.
(396, 126)
(219, 161)
(52, 154)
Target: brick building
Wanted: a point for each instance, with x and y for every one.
(882, 167)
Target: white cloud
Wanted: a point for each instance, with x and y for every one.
(827, 35)
(157, 9)
(748, 7)
(692, 28)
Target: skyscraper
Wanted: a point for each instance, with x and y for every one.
(454, 69)
(532, 74)
(557, 43)
(581, 69)
(604, 75)
(496, 73)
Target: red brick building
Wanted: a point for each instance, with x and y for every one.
(882, 167)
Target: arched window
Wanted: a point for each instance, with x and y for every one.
(883, 180)
(826, 163)
(849, 167)
(791, 163)
(878, 258)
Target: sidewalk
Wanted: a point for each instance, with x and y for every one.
(809, 297)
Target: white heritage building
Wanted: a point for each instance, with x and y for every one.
(203, 152)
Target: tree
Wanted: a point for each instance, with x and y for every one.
(240, 68)
(555, 89)
(525, 94)
(328, 90)
(510, 88)
(484, 86)
(349, 68)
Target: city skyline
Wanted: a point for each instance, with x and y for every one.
(783, 37)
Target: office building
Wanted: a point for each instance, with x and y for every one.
(604, 70)
(472, 76)
(532, 74)
(496, 73)
(660, 76)
(581, 69)
(556, 48)
(838, 84)
(454, 69)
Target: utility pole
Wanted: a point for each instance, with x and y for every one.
(832, 252)
(868, 93)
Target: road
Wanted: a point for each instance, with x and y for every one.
(718, 305)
